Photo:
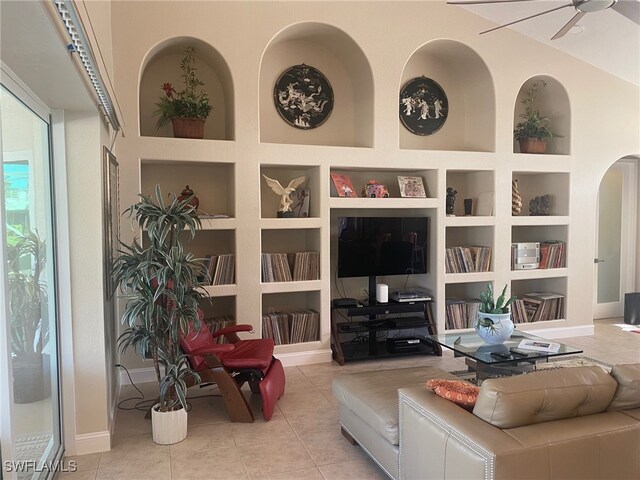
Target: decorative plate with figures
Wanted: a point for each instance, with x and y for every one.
(423, 106)
(303, 97)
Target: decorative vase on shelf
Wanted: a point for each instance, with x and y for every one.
(186, 193)
(516, 199)
(498, 332)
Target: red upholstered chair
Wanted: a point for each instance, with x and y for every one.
(230, 365)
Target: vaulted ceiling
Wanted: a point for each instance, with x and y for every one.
(606, 39)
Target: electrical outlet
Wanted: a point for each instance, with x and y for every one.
(364, 292)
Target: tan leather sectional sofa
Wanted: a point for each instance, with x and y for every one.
(564, 423)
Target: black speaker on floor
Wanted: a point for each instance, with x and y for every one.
(632, 308)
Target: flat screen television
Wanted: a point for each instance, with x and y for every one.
(372, 246)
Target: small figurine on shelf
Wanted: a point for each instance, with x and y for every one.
(186, 193)
(540, 205)
(373, 189)
(451, 200)
(284, 210)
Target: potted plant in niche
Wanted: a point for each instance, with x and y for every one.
(187, 109)
(532, 133)
(27, 300)
(160, 281)
(494, 324)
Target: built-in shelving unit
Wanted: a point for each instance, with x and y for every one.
(226, 171)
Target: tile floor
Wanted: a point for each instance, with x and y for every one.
(302, 441)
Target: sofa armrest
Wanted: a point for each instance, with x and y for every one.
(440, 440)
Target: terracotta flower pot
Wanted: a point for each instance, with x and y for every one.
(188, 127)
(532, 145)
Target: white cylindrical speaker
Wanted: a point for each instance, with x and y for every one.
(382, 293)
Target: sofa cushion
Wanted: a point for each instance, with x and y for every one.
(373, 396)
(456, 391)
(628, 392)
(544, 396)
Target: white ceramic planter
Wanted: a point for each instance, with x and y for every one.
(168, 427)
(502, 329)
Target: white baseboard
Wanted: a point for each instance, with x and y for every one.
(138, 375)
(560, 332)
(293, 359)
(92, 443)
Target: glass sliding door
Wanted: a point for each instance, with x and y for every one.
(28, 324)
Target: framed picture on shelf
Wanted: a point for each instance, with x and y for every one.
(411, 186)
(423, 106)
(343, 185)
(303, 97)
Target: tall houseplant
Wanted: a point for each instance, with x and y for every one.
(160, 281)
(187, 109)
(26, 254)
(494, 324)
(532, 133)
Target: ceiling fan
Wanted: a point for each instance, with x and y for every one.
(628, 8)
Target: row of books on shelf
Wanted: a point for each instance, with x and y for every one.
(220, 270)
(218, 323)
(288, 267)
(537, 307)
(552, 254)
(532, 307)
(467, 259)
(291, 327)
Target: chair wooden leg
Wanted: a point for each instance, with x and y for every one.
(234, 400)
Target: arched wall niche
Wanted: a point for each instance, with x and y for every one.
(552, 101)
(347, 69)
(162, 64)
(468, 85)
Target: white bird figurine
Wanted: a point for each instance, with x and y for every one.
(285, 200)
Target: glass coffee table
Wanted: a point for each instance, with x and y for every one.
(488, 361)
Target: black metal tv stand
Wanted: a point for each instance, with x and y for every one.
(355, 331)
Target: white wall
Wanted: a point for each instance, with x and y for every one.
(637, 285)
(84, 136)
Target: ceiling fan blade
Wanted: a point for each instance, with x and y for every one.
(628, 8)
(563, 31)
(480, 2)
(526, 18)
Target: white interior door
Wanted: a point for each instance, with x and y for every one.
(614, 261)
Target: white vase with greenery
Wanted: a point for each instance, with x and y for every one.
(494, 324)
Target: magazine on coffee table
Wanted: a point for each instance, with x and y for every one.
(539, 346)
